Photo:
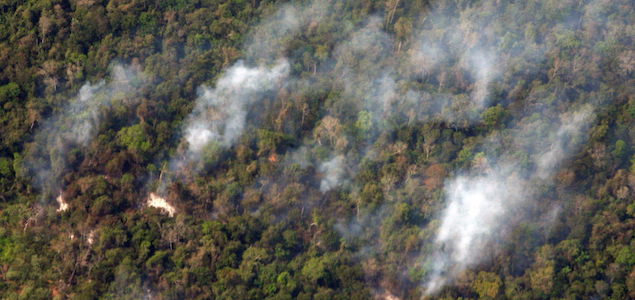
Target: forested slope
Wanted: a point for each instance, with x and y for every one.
(325, 149)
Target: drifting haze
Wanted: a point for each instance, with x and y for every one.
(450, 67)
(77, 123)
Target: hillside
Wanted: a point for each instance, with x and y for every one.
(317, 149)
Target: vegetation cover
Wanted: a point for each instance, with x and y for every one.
(317, 149)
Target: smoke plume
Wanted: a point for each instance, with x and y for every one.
(75, 124)
(483, 202)
(220, 113)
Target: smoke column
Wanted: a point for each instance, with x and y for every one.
(480, 204)
(220, 114)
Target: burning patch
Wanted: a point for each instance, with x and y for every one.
(62, 204)
(157, 201)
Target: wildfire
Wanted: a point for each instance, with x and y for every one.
(63, 205)
(157, 201)
(91, 237)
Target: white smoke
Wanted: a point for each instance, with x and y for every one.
(267, 40)
(220, 112)
(566, 137)
(75, 124)
(333, 172)
(78, 122)
(366, 67)
(468, 54)
(481, 204)
(481, 65)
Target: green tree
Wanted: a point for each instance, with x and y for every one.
(135, 139)
(487, 285)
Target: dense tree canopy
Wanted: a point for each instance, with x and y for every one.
(334, 184)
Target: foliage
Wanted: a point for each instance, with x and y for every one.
(254, 223)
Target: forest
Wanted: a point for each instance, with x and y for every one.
(317, 149)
